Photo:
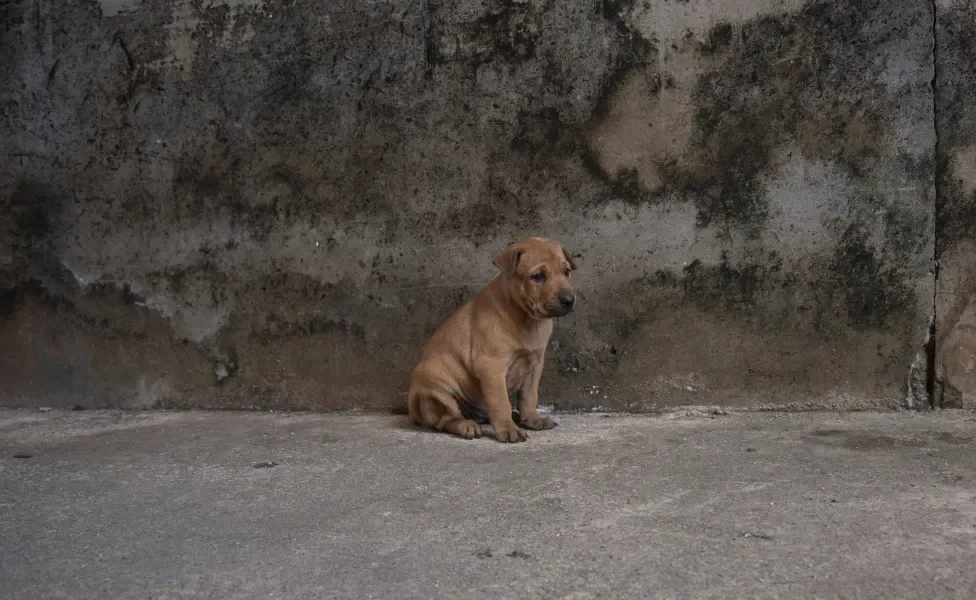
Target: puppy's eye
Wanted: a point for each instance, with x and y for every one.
(539, 277)
(566, 272)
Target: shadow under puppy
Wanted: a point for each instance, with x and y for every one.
(495, 345)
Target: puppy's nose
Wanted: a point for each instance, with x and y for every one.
(567, 300)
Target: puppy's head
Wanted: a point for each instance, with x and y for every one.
(537, 271)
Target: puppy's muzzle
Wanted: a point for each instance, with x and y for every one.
(566, 302)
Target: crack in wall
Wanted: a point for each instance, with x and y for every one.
(931, 383)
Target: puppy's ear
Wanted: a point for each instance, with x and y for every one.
(569, 259)
(508, 259)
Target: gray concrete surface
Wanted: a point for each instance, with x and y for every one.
(254, 203)
(955, 304)
(171, 505)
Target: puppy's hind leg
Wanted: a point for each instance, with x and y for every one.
(430, 408)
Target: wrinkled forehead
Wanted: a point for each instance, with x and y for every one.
(542, 252)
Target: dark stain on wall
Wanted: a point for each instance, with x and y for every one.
(787, 79)
(725, 288)
(635, 50)
(774, 80)
(28, 220)
(874, 296)
(10, 301)
(956, 63)
(276, 327)
(507, 31)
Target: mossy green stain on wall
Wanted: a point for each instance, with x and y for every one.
(801, 79)
(956, 123)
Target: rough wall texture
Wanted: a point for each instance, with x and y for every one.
(955, 36)
(249, 203)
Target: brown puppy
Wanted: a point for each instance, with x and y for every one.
(495, 345)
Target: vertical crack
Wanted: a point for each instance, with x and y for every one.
(931, 383)
(430, 48)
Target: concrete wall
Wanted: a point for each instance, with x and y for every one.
(955, 308)
(247, 203)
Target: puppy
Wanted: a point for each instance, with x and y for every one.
(495, 345)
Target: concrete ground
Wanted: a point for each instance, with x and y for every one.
(242, 505)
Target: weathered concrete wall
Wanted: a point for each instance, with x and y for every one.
(956, 125)
(272, 204)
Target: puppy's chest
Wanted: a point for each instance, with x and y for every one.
(521, 368)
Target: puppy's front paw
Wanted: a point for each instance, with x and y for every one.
(512, 435)
(538, 423)
(468, 429)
